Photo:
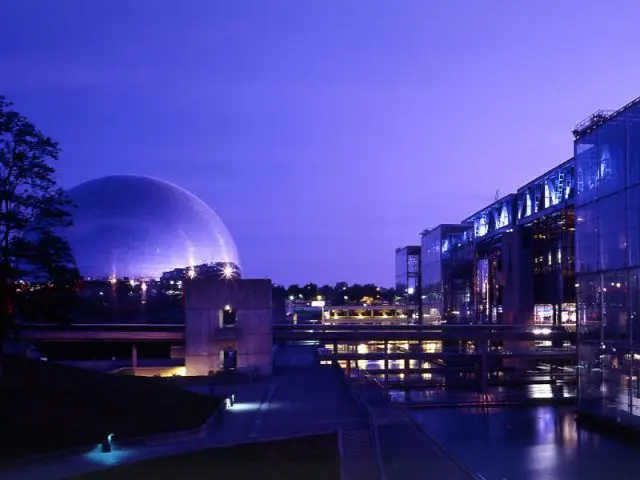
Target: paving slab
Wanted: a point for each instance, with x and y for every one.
(310, 399)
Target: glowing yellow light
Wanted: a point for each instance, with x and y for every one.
(227, 307)
(191, 273)
(143, 287)
(132, 283)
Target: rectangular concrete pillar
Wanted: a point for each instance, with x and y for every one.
(206, 338)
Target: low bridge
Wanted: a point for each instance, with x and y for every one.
(174, 333)
(366, 333)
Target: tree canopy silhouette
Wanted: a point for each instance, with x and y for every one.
(33, 210)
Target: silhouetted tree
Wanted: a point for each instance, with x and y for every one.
(310, 291)
(341, 286)
(32, 209)
(327, 292)
(388, 294)
(294, 291)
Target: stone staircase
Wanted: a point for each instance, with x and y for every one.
(356, 455)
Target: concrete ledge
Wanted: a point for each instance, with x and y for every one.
(507, 403)
(607, 425)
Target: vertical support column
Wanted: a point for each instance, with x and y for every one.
(386, 362)
(406, 369)
(348, 368)
(134, 357)
(419, 295)
(483, 368)
(481, 347)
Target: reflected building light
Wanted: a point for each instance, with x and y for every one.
(541, 331)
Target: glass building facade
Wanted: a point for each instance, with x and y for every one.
(446, 273)
(546, 227)
(407, 270)
(607, 154)
(564, 250)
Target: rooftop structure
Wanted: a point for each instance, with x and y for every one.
(599, 118)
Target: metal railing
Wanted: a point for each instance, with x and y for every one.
(366, 410)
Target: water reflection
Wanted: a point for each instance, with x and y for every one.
(540, 443)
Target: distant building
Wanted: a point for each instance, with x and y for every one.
(446, 273)
(407, 269)
(226, 270)
(511, 262)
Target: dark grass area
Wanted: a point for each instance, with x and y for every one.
(308, 458)
(46, 406)
(220, 378)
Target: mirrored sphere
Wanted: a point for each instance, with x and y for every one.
(139, 227)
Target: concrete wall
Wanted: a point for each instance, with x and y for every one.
(204, 338)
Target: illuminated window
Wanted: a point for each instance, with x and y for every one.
(228, 317)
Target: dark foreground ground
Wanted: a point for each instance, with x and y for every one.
(308, 458)
(46, 406)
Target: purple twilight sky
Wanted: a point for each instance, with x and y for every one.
(324, 133)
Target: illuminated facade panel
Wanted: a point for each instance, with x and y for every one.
(551, 191)
(494, 218)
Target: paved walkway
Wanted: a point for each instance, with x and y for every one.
(293, 401)
(406, 452)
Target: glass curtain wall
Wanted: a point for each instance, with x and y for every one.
(431, 271)
(608, 267)
(401, 270)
